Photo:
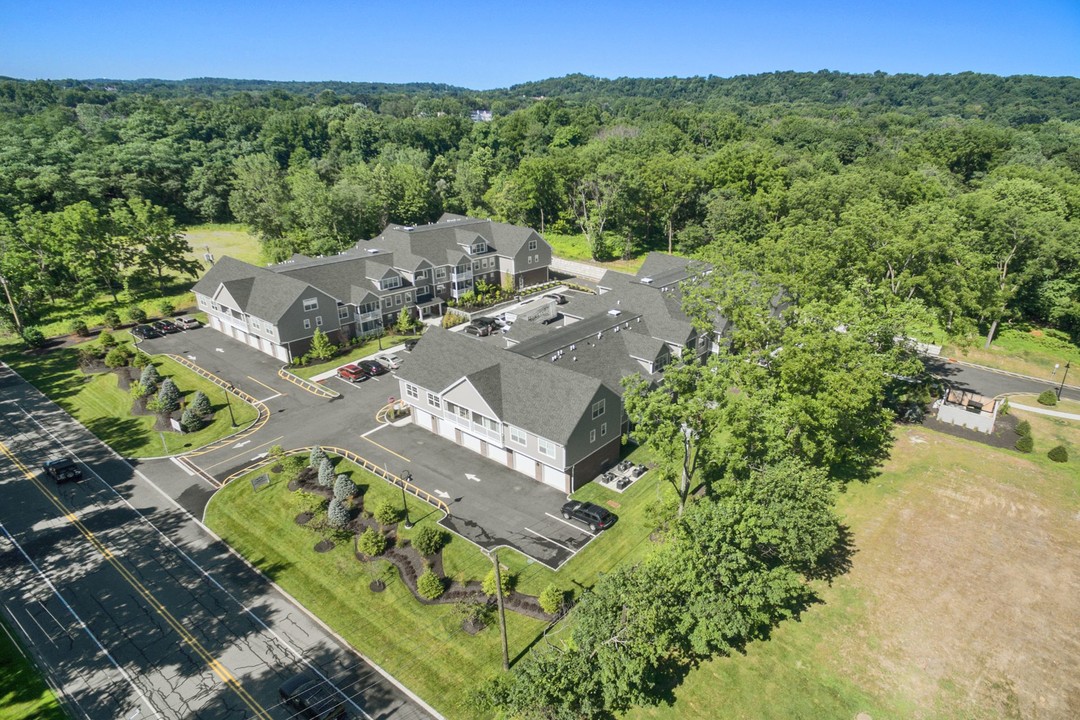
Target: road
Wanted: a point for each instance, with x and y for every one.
(131, 607)
(990, 382)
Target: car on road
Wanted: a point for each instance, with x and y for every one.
(187, 323)
(145, 332)
(371, 367)
(559, 299)
(165, 326)
(352, 374)
(478, 330)
(488, 321)
(596, 517)
(62, 470)
(390, 362)
(410, 344)
(312, 698)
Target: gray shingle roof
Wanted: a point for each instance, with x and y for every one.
(260, 292)
(440, 243)
(539, 396)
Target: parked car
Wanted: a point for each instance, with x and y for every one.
(487, 321)
(62, 470)
(145, 332)
(478, 330)
(352, 373)
(390, 362)
(596, 517)
(559, 299)
(371, 367)
(312, 698)
(166, 327)
(410, 344)
(187, 323)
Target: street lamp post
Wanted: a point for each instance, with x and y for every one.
(228, 391)
(1063, 376)
(406, 477)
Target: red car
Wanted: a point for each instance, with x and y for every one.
(352, 373)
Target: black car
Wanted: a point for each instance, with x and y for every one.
(596, 517)
(62, 470)
(486, 321)
(145, 332)
(371, 367)
(312, 698)
(559, 299)
(478, 330)
(410, 344)
(165, 326)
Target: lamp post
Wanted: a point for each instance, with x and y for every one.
(1063, 376)
(228, 391)
(406, 476)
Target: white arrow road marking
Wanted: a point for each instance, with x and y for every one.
(190, 357)
(241, 444)
(443, 495)
(219, 350)
(472, 477)
(260, 456)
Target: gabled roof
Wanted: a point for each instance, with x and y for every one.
(441, 242)
(664, 270)
(259, 292)
(540, 397)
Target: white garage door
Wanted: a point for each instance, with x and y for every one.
(447, 430)
(554, 478)
(471, 442)
(497, 453)
(281, 353)
(525, 464)
(421, 418)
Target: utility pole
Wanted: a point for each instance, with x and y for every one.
(502, 613)
(1063, 376)
(228, 391)
(11, 304)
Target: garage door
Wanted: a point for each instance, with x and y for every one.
(497, 453)
(471, 442)
(281, 353)
(447, 430)
(554, 478)
(525, 464)
(421, 418)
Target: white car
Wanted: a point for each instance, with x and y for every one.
(186, 323)
(390, 362)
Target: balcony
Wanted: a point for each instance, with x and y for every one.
(456, 276)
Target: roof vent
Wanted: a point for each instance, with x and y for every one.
(614, 313)
(573, 347)
(647, 280)
(574, 358)
(372, 251)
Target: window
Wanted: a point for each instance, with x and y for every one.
(433, 400)
(440, 273)
(387, 302)
(517, 435)
(597, 409)
(536, 258)
(412, 392)
(397, 299)
(318, 321)
(603, 430)
(532, 244)
(254, 324)
(343, 313)
(214, 305)
(408, 297)
(530, 259)
(545, 447)
(202, 301)
(592, 436)
(311, 304)
(307, 324)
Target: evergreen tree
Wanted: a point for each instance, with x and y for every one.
(168, 396)
(337, 514)
(321, 347)
(150, 378)
(326, 473)
(344, 488)
(190, 421)
(316, 457)
(200, 404)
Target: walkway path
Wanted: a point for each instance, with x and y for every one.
(1044, 411)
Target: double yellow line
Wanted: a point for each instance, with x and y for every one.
(219, 669)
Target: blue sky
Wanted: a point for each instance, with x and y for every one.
(484, 45)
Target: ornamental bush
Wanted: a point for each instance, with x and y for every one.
(429, 540)
(337, 515)
(137, 314)
(117, 357)
(316, 457)
(1023, 428)
(1025, 444)
(430, 585)
(112, 319)
(371, 542)
(33, 337)
(1058, 453)
(78, 327)
(167, 308)
(488, 585)
(344, 488)
(326, 473)
(1047, 397)
(190, 421)
(140, 360)
(551, 599)
(168, 396)
(106, 339)
(387, 512)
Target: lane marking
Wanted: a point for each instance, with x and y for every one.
(553, 542)
(272, 397)
(182, 466)
(566, 522)
(148, 597)
(268, 387)
(373, 430)
(386, 449)
(243, 454)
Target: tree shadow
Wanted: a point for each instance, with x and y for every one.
(125, 435)
(837, 560)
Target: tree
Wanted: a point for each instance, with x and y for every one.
(321, 347)
(190, 421)
(117, 358)
(404, 321)
(428, 540)
(429, 585)
(168, 396)
(152, 232)
(137, 314)
(326, 473)
(316, 457)
(337, 515)
(344, 488)
(551, 599)
(488, 583)
(200, 404)
(150, 378)
(112, 319)
(371, 542)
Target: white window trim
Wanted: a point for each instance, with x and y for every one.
(541, 444)
(532, 244)
(592, 435)
(513, 431)
(598, 408)
(307, 323)
(434, 401)
(318, 321)
(412, 392)
(603, 429)
(311, 304)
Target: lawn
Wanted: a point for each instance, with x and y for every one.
(369, 347)
(423, 646)
(24, 694)
(574, 247)
(220, 240)
(1029, 351)
(961, 601)
(97, 402)
(1065, 405)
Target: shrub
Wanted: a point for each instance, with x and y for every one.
(1023, 428)
(1058, 453)
(430, 585)
(429, 540)
(316, 457)
(344, 488)
(1025, 444)
(551, 599)
(106, 339)
(326, 473)
(337, 514)
(167, 308)
(137, 314)
(33, 337)
(1047, 397)
(190, 421)
(168, 396)
(78, 327)
(112, 319)
(452, 319)
(150, 378)
(387, 512)
(488, 585)
(321, 347)
(291, 466)
(1005, 407)
(117, 358)
(140, 360)
(154, 405)
(200, 404)
(372, 542)
(87, 356)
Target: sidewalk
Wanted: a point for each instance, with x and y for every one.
(1044, 411)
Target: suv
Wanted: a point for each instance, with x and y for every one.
(596, 517)
(559, 299)
(187, 323)
(487, 321)
(478, 330)
(371, 367)
(145, 332)
(410, 344)
(165, 326)
(312, 699)
(62, 470)
(352, 373)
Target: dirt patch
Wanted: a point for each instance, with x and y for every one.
(303, 518)
(324, 546)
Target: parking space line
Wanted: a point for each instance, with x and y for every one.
(386, 449)
(553, 542)
(268, 399)
(271, 389)
(564, 522)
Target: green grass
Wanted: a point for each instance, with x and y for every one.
(1029, 351)
(574, 247)
(24, 694)
(363, 350)
(97, 402)
(423, 646)
(233, 240)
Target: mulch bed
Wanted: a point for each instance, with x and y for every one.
(324, 546)
(304, 518)
(1004, 435)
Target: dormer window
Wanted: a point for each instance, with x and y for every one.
(390, 283)
(478, 247)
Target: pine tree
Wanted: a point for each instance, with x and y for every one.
(150, 378)
(337, 514)
(321, 347)
(200, 404)
(316, 458)
(168, 396)
(326, 473)
(190, 421)
(344, 488)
